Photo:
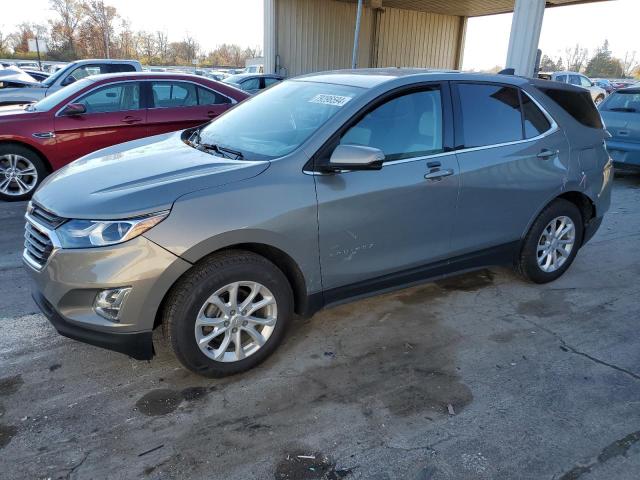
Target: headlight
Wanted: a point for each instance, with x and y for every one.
(98, 233)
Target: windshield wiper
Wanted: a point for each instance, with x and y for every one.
(623, 109)
(225, 152)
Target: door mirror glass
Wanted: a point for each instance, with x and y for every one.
(74, 109)
(355, 157)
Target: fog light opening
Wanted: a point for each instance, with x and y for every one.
(108, 303)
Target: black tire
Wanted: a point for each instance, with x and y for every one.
(598, 100)
(37, 161)
(187, 297)
(527, 263)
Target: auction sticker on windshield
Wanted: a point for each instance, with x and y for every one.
(328, 99)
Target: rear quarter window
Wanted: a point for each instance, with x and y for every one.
(577, 104)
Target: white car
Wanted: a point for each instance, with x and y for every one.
(574, 78)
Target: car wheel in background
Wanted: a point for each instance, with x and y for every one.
(228, 313)
(21, 171)
(551, 243)
(598, 100)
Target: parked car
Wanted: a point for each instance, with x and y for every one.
(621, 115)
(598, 94)
(65, 76)
(98, 112)
(323, 188)
(618, 84)
(13, 77)
(38, 75)
(605, 84)
(253, 83)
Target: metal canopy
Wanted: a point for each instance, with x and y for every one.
(463, 8)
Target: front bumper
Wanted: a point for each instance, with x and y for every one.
(65, 289)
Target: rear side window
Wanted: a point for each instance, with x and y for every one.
(121, 67)
(251, 84)
(209, 97)
(561, 78)
(490, 114)
(577, 104)
(535, 122)
(174, 94)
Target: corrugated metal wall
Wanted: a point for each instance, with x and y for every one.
(315, 35)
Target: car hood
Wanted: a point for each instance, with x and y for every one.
(137, 177)
(11, 112)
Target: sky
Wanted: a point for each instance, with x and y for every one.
(213, 22)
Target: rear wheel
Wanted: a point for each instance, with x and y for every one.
(21, 171)
(551, 243)
(228, 314)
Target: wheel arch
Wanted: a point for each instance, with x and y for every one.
(28, 146)
(304, 304)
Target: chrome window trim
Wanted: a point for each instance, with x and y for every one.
(552, 129)
(233, 100)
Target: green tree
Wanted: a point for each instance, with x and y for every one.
(603, 64)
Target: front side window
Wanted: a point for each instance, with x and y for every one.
(574, 80)
(404, 127)
(251, 84)
(279, 120)
(87, 70)
(268, 81)
(174, 94)
(209, 97)
(561, 78)
(112, 98)
(490, 114)
(585, 82)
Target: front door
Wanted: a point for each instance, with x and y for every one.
(512, 162)
(376, 227)
(114, 114)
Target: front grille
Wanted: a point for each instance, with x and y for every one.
(37, 245)
(46, 218)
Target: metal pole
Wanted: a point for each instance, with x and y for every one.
(38, 50)
(354, 57)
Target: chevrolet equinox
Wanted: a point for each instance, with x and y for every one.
(324, 188)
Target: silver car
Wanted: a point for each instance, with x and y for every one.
(322, 189)
(13, 93)
(598, 94)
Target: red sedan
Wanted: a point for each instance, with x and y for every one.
(97, 112)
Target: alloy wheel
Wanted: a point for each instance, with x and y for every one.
(556, 244)
(236, 321)
(18, 175)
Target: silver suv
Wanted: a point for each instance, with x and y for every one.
(598, 93)
(322, 189)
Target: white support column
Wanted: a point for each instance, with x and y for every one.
(525, 35)
(269, 47)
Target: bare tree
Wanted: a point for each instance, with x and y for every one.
(629, 63)
(100, 19)
(64, 29)
(576, 58)
(162, 45)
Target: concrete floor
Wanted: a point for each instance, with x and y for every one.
(543, 382)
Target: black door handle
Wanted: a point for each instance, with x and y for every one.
(546, 153)
(434, 164)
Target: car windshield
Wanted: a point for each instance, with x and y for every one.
(624, 101)
(279, 120)
(50, 101)
(52, 79)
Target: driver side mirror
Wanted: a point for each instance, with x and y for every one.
(355, 157)
(67, 81)
(74, 109)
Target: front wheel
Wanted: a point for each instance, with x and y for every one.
(598, 100)
(21, 171)
(228, 314)
(551, 243)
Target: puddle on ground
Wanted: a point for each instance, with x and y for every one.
(302, 465)
(7, 432)
(467, 282)
(159, 402)
(550, 303)
(10, 385)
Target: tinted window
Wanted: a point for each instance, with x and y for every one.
(251, 84)
(628, 101)
(561, 78)
(577, 104)
(535, 122)
(112, 98)
(574, 79)
(405, 127)
(174, 94)
(209, 97)
(268, 81)
(121, 67)
(490, 114)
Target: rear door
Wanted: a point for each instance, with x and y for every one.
(115, 114)
(512, 160)
(378, 228)
(176, 105)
